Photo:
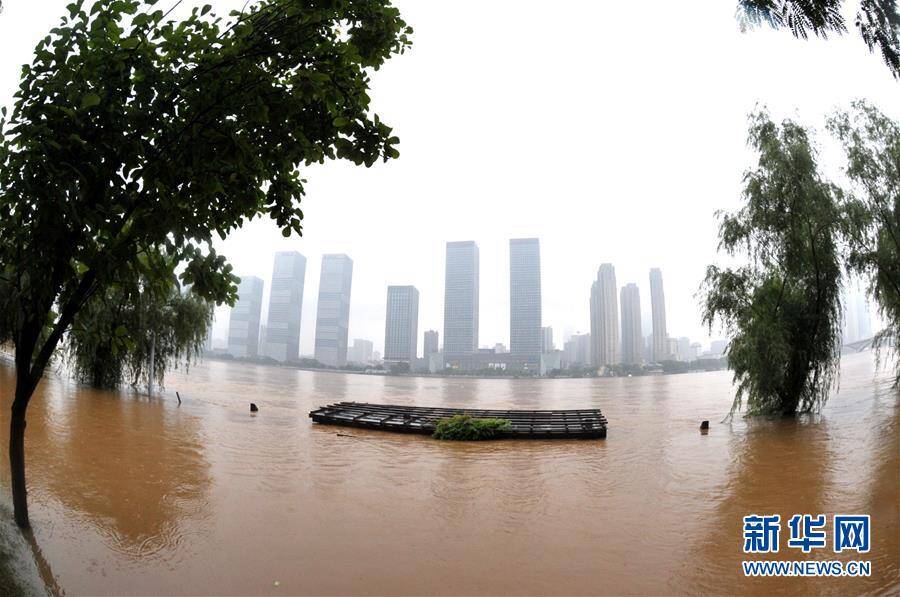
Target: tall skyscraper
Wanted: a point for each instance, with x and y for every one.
(432, 343)
(461, 299)
(604, 318)
(401, 324)
(632, 339)
(243, 327)
(547, 339)
(525, 298)
(658, 310)
(282, 341)
(333, 310)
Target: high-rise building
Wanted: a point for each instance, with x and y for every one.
(432, 343)
(360, 352)
(243, 327)
(525, 298)
(333, 310)
(547, 340)
(570, 352)
(583, 352)
(632, 338)
(671, 348)
(604, 318)
(577, 350)
(282, 341)
(461, 299)
(401, 324)
(658, 310)
(684, 351)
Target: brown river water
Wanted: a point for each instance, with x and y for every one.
(131, 495)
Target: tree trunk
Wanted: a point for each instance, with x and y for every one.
(24, 389)
(152, 365)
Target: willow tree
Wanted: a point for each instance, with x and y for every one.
(133, 132)
(871, 210)
(782, 308)
(134, 332)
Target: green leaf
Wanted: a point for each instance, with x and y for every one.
(90, 100)
(121, 331)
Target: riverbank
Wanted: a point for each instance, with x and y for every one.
(18, 573)
(8, 583)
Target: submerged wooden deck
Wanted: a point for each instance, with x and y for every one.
(525, 424)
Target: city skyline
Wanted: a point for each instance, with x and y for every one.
(605, 272)
(525, 283)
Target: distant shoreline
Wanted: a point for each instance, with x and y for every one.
(218, 358)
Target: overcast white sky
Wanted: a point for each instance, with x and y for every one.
(610, 130)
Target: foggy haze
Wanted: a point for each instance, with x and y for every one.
(610, 131)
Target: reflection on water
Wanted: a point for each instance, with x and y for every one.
(145, 496)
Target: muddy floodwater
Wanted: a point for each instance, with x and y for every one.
(138, 496)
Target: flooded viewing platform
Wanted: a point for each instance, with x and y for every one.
(524, 424)
(137, 495)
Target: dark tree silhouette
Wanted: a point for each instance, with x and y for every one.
(134, 134)
(877, 21)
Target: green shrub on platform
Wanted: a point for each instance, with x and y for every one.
(466, 427)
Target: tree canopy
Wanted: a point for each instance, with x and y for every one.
(136, 134)
(871, 210)
(877, 21)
